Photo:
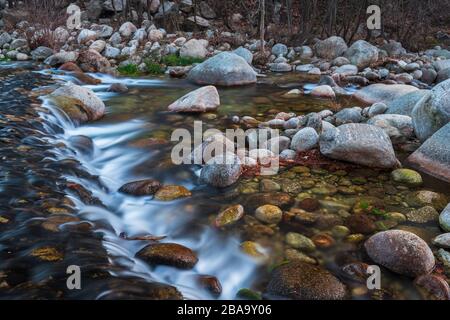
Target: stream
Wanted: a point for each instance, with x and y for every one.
(132, 142)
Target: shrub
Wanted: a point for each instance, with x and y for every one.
(128, 70)
(154, 67)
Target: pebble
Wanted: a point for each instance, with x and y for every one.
(229, 216)
(269, 214)
(299, 241)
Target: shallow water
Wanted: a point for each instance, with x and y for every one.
(132, 142)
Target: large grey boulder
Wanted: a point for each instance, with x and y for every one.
(330, 48)
(79, 103)
(433, 156)
(305, 139)
(224, 69)
(401, 251)
(362, 54)
(394, 48)
(380, 92)
(432, 112)
(201, 100)
(359, 143)
(348, 115)
(405, 104)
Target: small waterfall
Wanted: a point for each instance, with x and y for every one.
(114, 163)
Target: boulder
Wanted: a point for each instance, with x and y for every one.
(347, 70)
(79, 103)
(201, 100)
(380, 92)
(401, 251)
(432, 112)
(443, 75)
(303, 281)
(393, 48)
(170, 254)
(441, 64)
(330, 48)
(433, 156)
(194, 49)
(405, 104)
(358, 143)
(362, 54)
(224, 69)
(222, 171)
(98, 45)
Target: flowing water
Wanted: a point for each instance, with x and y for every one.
(132, 142)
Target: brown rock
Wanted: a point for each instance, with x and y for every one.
(304, 281)
(170, 254)
(361, 223)
(141, 188)
(435, 285)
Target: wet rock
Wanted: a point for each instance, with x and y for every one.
(299, 241)
(170, 254)
(229, 216)
(442, 241)
(194, 49)
(169, 193)
(380, 92)
(267, 185)
(141, 188)
(309, 204)
(54, 222)
(222, 171)
(362, 54)
(225, 69)
(435, 285)
(444, 219)
(356, 271)
(83, 144)
(330, 48)
(279, 199)
(252, 249)
(432, 112)
(423, 198)
(79, 103)
(402, 252)
(269, 214)
(361, 223)
(407, 176)
(423, 215)
(303, 281)
(201, 100)
(359, 143)
(211, 284)
(118, 88)
(323, 91)
(305, 139)
(433, 156)
(49, 254)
